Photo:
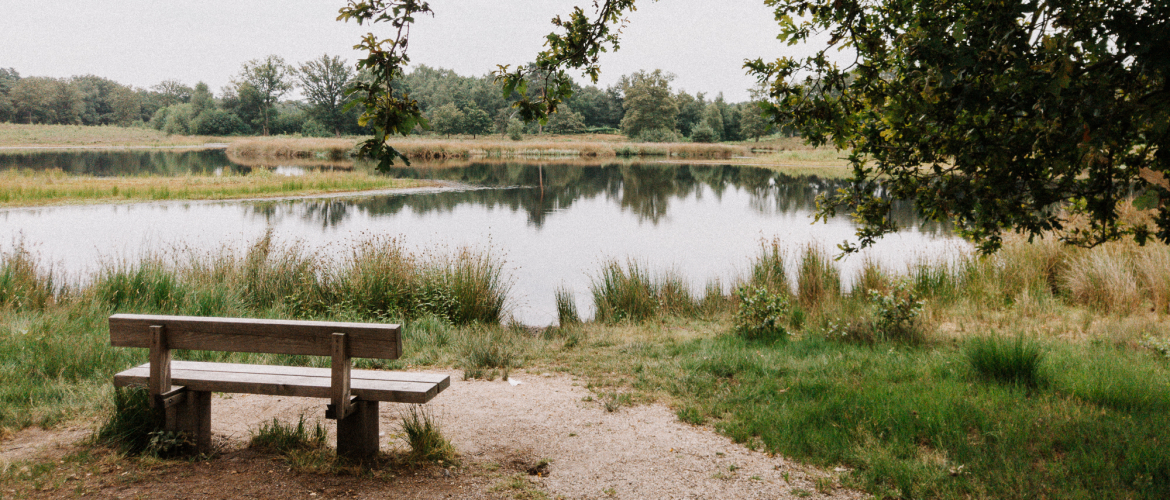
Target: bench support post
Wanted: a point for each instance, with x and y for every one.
(160, 367)
(339, 391)
(193, 417)
(357, 434)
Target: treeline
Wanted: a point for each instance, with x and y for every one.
(642, 105)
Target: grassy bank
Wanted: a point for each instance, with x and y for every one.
(14, 135)
(1039, 372)
(35, 188)
(425, 148)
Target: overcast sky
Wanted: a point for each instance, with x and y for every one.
(142, 42)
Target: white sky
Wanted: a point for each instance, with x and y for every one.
(142, 42)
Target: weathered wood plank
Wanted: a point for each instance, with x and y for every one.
(339, 376)
(437, 378)
(305, 385)
(313, 338)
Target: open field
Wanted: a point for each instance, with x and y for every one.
(36, 188)
(14, 135)
(1038, 372)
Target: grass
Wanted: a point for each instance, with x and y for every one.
(1069, 401)
(14, 135)
(35, 188)
(423, 434)
(1004, 360)
(286, 438)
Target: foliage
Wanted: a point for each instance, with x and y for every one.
(325, 82)
(271, 78)
(447, 119)
(1019, 115)
(713, 119)
(752, 123)
(387, 111)
(515, 129)
(657, 135)
(476, 122)
(648, 102)
(761, 314)
(704, 133)
(896, 313)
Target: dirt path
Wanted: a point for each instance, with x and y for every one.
(501, 430)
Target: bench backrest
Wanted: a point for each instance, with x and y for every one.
(271, 336)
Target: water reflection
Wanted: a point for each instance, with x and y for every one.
(644, 189)
(553, 223)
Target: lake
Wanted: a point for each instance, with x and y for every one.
(553, 223)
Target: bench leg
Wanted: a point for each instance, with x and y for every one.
(357, 433)
(193, 416)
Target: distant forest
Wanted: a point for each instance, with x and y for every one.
(642, 105)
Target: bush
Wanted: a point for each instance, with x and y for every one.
(515, 129)
(761, 314)
(1003, 360)
(896, 314)
(314, 128)
(218, 122)
(658, 135)
(703, 133)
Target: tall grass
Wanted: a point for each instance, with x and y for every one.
(818, 281)
(1103, 279)
(24, 285)
(630, 293)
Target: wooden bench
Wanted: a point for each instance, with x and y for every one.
(182, 389)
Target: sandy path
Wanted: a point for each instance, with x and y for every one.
(636, 452)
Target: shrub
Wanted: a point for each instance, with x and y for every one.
(703, 133)
(515, 129)
(657, 135)
(896, 314)
(314, 128)
(761, 314)
(1010, 361)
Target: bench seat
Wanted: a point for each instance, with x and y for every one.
(369, 385)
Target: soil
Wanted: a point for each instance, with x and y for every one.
(547, 435)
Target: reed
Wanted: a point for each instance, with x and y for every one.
(24, 285)
(566, 308)
(819, 281)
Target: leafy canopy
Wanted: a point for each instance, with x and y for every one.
(997, 114)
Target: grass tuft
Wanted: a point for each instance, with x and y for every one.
(1013, 361)
(286, 438)
(422, 432)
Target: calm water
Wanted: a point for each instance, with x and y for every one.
(554, 224)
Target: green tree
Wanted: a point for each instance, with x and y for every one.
(272, 79)
(713, 118)
(566, 121)
(752, 123)
(244, 101)
(476, 122)
(690, 111)
(648, 102)
(8, 79)
(325, 82)
(46, 100)
(447, 119)
(202, 99)
(998, 115)
(171, 92)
